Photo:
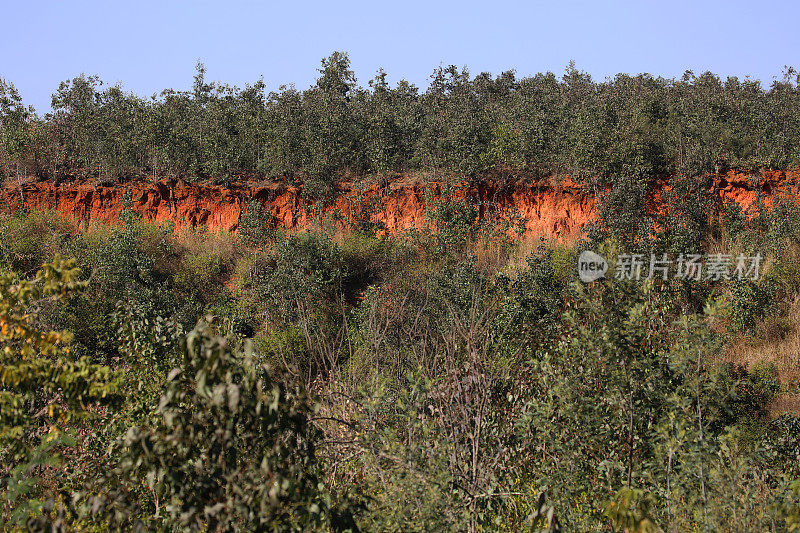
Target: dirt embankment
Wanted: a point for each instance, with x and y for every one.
(557, 209)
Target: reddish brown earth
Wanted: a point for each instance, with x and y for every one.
(560, 209)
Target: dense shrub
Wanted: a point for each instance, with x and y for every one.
(232, 448)
(623, 216)
(459, 381)
(750, 301)
(31, 239)
(256, 225)
(45, 390)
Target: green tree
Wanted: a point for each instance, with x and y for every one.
(14, 130)
(76, 105)
(233, 447)
(44, 390)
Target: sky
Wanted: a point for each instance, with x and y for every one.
(147, 46)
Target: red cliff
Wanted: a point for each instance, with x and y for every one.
(560, 209)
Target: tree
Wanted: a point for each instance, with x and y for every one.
(14, 135)
(601, 389)
(76, 105)
(232, 447)
(44, 389)
(330, 131)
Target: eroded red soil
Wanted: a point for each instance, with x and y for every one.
(558, 209)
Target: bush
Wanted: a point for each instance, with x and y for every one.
(256, 226)
(755, 389)
(301, 284)
(454, 223)
(33, 238)
(623, 216)
(44, 391)
(232, 447)
(750, 301)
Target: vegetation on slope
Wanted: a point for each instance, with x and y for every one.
(449, 378)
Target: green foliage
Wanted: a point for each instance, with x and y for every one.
(692, 430)
(789, 508)
(22, 504)
(300, 270)
(144, 336)
(33, 238)
(749, 302)
(363, 217)
(455, 387)
(128, 281)
(44, 388)
(685, 222)
(232, 448)
(627, 126)
(756, 388)
(14, 131)
(623, 216)
(505, 149)
(455, 223)
(256, 226)
(38, 371)
(300, 283)
(602, 390)
(630, 511)
(765, 230)
(426, 467)
(534, 301)
(416, 490)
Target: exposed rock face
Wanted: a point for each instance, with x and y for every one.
(557, 209)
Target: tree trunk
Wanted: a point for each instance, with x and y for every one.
(19, 185)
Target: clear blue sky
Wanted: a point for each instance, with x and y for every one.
(151, 45)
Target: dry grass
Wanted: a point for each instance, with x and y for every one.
(784, 404)
(224, 245)
(777, 342)
(777, 339)
(773, 344)
(518, 258)
(490, 254)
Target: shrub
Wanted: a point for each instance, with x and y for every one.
(32, 238)
(750, 301)
(44, 390)
(256, 226)
(232, 447)
(755, 389)
(301, 283)
(623, 216)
